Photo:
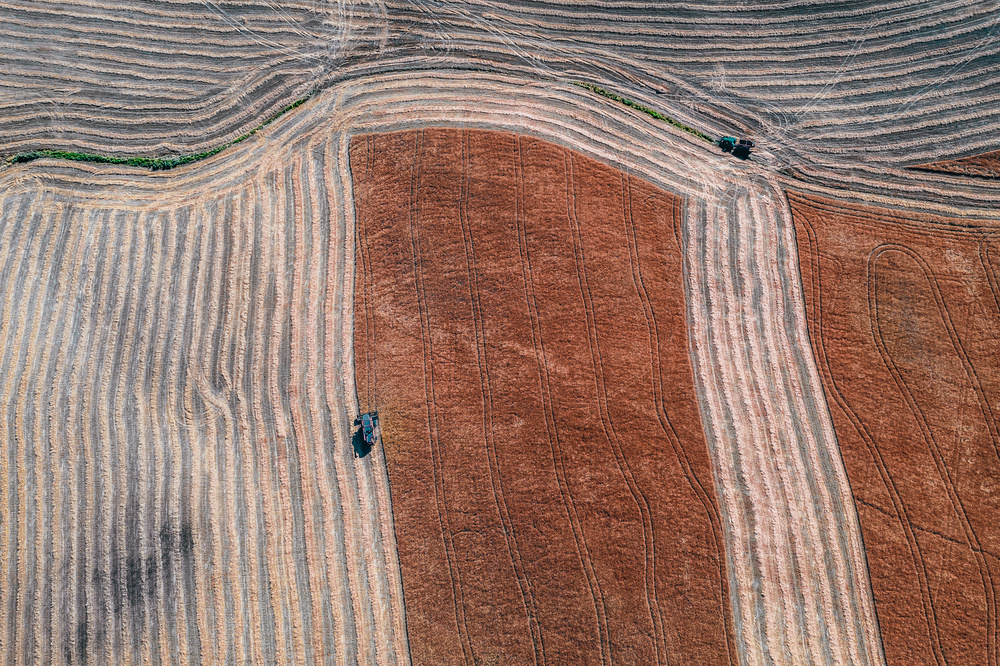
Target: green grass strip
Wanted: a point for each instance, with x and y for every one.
(645, 109)
(154, 163)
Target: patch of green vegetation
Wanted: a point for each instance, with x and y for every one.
(154, 163)
(645, 109)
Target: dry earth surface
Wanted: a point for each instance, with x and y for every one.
(986, 165)
(903, 312)
(556, 505)
(177, 478)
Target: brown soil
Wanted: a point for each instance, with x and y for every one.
(904, 314)
(986, 165)
(520, 323)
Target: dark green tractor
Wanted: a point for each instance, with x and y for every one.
(738, 147)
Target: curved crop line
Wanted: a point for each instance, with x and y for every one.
(913, 545)
(652, 327)
(496, 482)
(644, 109)
(454, 572)
(153, 163)
(551, 430)
(641, 502)
(938, 82)
(956, 500)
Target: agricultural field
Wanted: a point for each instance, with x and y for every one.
(986, 165)
(902, 313)
(520, 325)
(638, 401)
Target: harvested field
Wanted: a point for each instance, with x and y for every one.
(177, 482)
(903, 313)
(816, 81)
(787, 505)
(620, 425)
(158, 76)
(727, 207)
(520, 323)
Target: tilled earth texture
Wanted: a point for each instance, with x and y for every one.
(520, 323)
(903, 313)
(986, 165)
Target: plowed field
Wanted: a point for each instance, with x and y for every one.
(520, 323)
(904, 314)
(986, 165)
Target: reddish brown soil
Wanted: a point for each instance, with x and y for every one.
(520, 323)
(904, 314)
(986, 165)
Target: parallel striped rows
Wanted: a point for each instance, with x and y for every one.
(788, 505)
(798, 578)
(178, 480)
(896, 82)
(159, 76)
(880, 81)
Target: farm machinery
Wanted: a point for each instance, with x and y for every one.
(368, 434)
(738, 147)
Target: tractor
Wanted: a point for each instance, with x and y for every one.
(368, 435)
(738, 147)
(368, 424)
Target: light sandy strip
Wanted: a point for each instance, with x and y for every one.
(801, 592)
(10, 577)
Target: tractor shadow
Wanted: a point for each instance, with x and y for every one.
(361, 447)
(737, 153)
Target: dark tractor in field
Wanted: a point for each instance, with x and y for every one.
(367, 436)
(738, 147)
(368, 426)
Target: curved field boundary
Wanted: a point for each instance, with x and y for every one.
(986, 165)
(563, 114)
(645, 109)
(154, 163)
(162, 78)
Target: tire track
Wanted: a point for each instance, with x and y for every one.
(496, 482)
(454, 570)
(663, 420)
(377, 103)
(550, 424)
(972, 539)
(638, 497)
(900, 510)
